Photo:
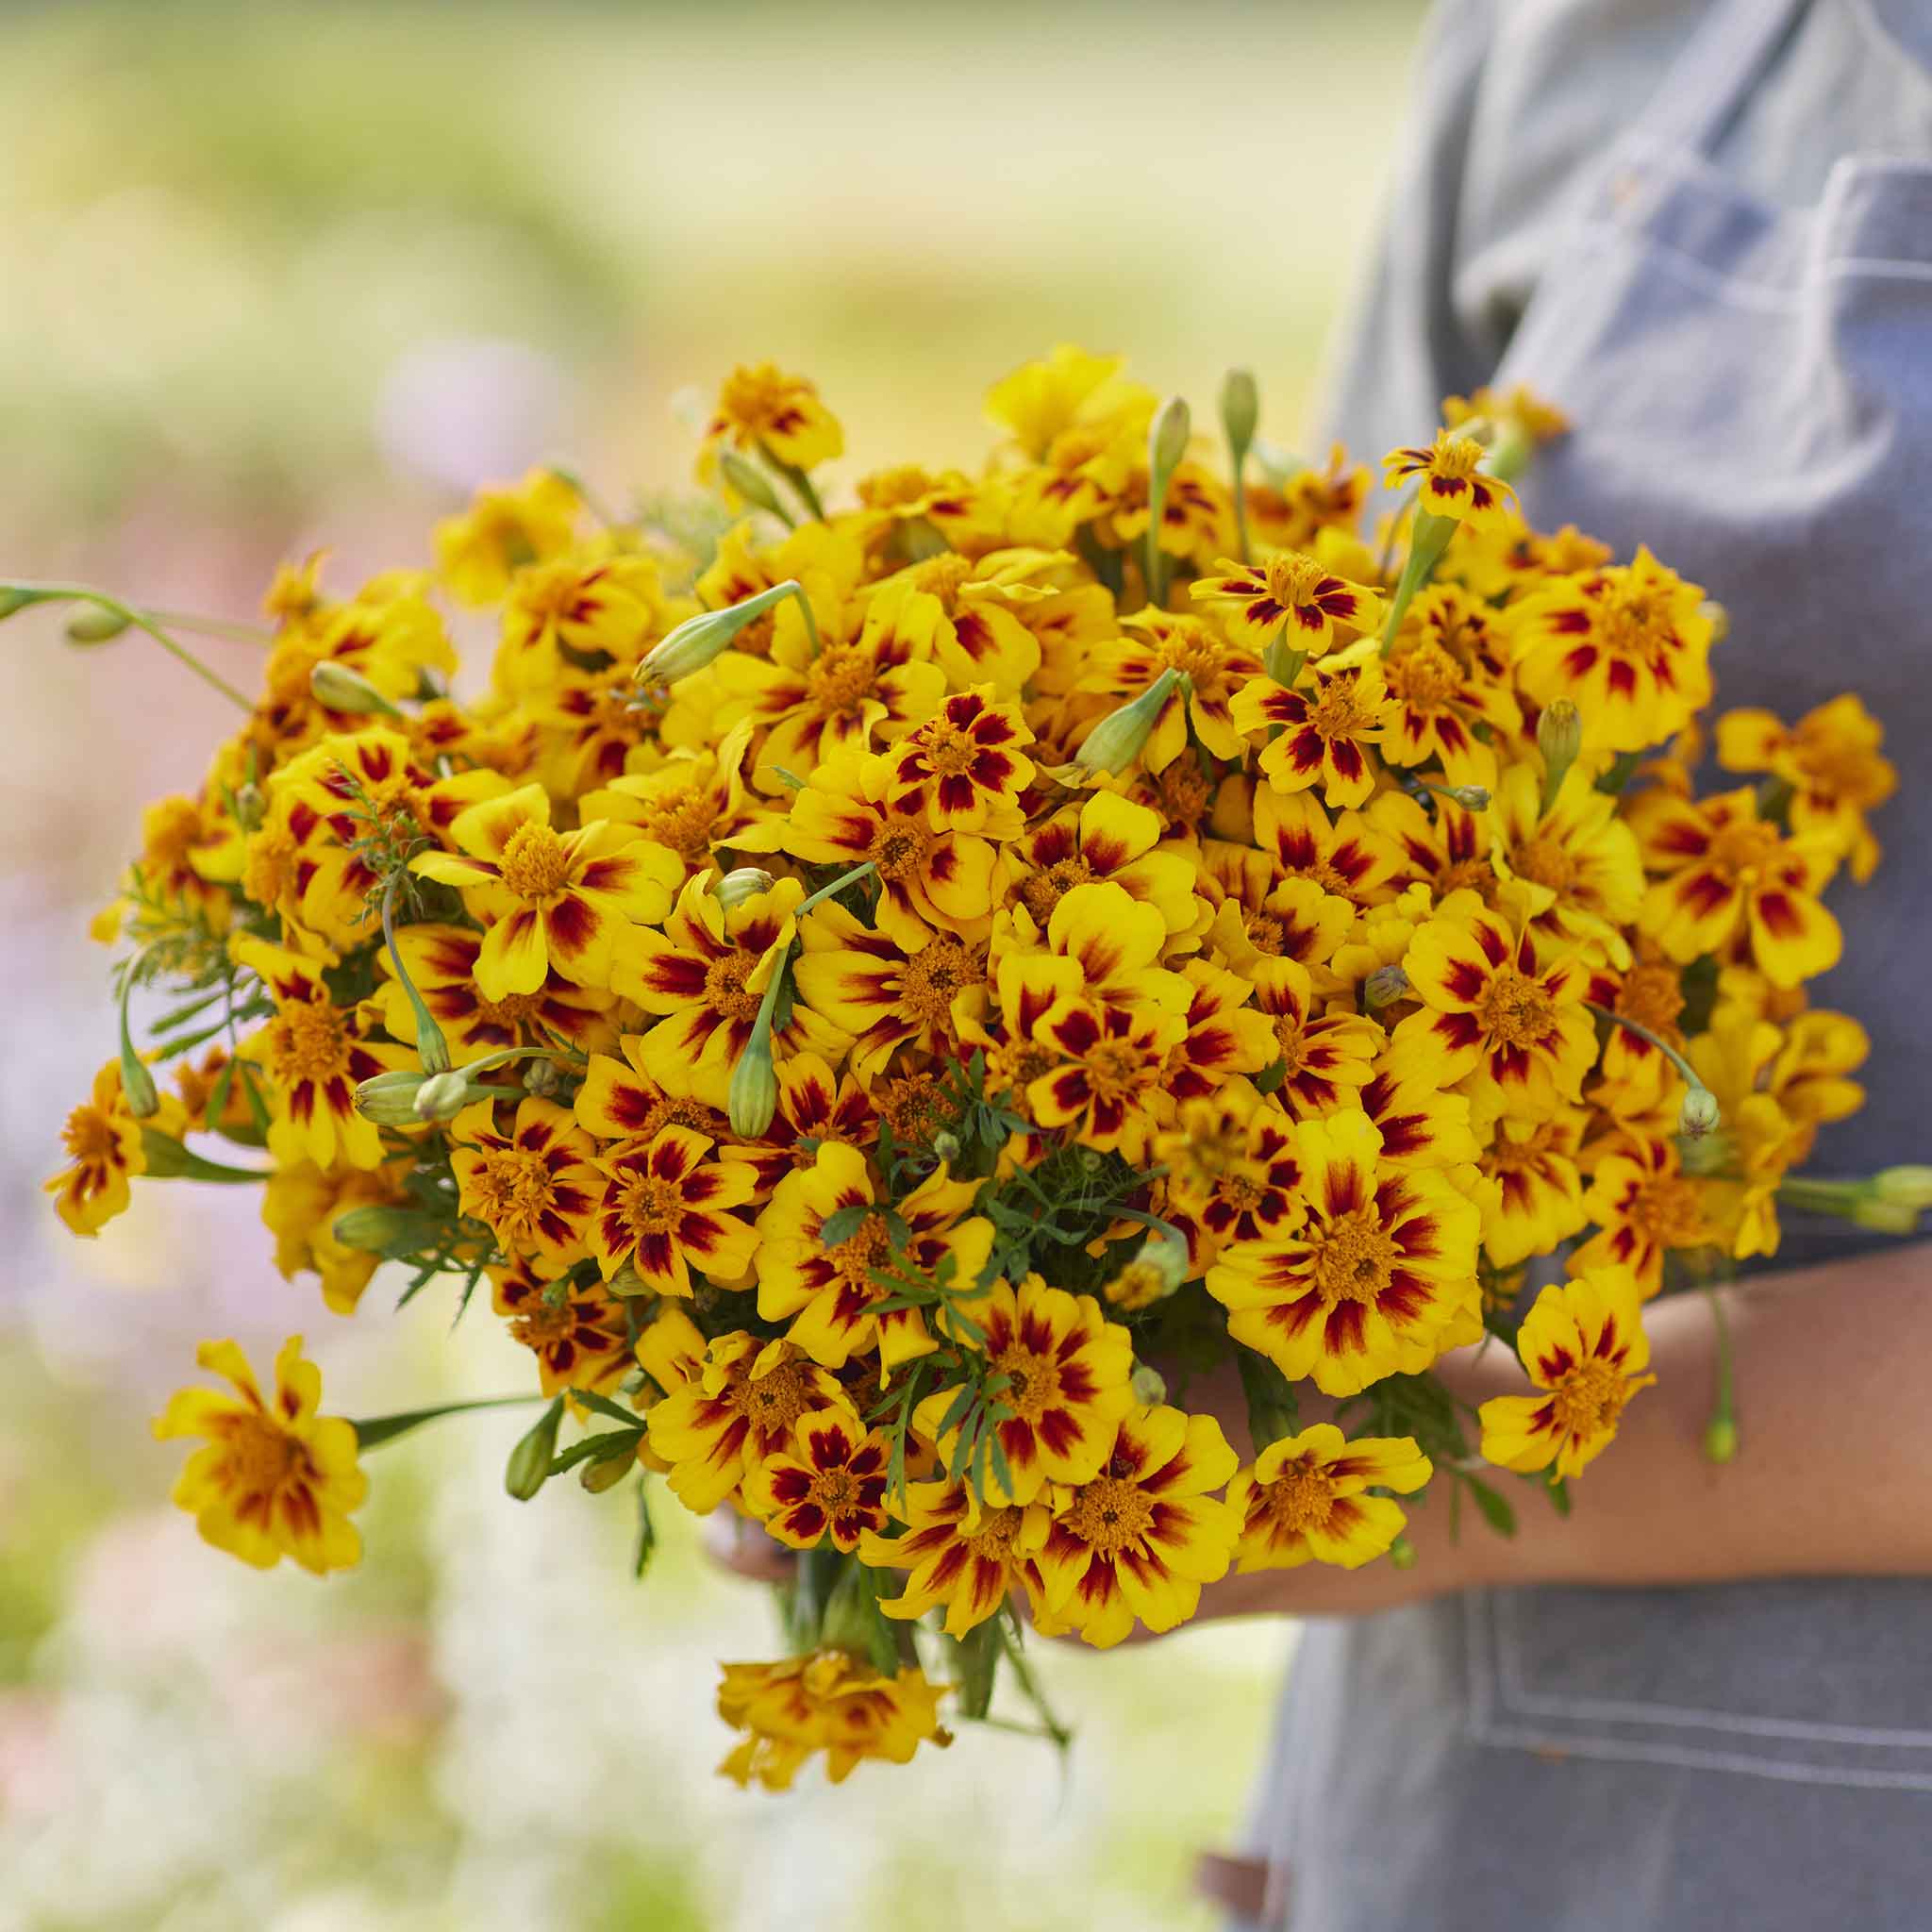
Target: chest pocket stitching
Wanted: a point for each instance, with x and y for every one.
(1478, 1619)
(1765, 296)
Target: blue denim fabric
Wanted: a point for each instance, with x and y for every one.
(1705, 232)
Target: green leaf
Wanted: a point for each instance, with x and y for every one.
(647, 1531)
(1497, 1511)
(167, 1159)
(605, 1446)
(604, 1406)
(377, 1429)
(843, 1223)
(977, 1656)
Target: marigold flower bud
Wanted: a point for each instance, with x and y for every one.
(138, 1083)
(1149, 1386)
(1560, 738)
(1115, 742)
(741, 883)
(372, 1227)
(626, 1282)
(750, 482)
(529, 1467)
(1904, 1186)
(389, 1099)
(1168, 439)
(442, 1096)
(1882, 1217)
(1384, 987)
(1469, 797)
(96, 626)
(1699, 1115)
(698, 640)
(753, 1095)
(336, 688)
(1721, 1439)
(945, 1144)
(250, 806)
(1240, 412)
(1401, 1553)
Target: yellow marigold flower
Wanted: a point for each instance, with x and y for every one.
(1101, 942)
(1420, 1124)
(826, 1288)
(736, 1412)
(1196, 514)
(1308, 501)
(1105, 1087)
(1518, 406)
(548, 898)
(1375, 1279)
(274, 1479)
(505, 529)
(1629, 643)
(1319, 733)
(579, 1334)
(1642, 1205)
(826, 564)
(965, 766)
(1495, 1015)
(1290, 595)
(969, 516)
(666, 1211)
(299, 1207)
(1142, 1537)
(1450, 482)
(1265, 916)
(929, 881)
(864, 982)
(1324, 1060)
(1214, 670)
(704, 976)
(1068, 1371)
(1040, 400)
(971, 613)
(191, 851)
(1234, 1172)
(956, 1554)
(531, 1184)
(1444, 845)
(692, 802)
(827, 1702)
(831, 1483)
(1577, 862)
(1830, 758)
(1305, 1499)
(1436, 702)
(1538, 1204)
(599, 600)
(1730, 882)
(761, 407)
(1341, 851)
(313, 1054)
(1807, 1077)
(1104, 836)
(1584, 1346)
(1225, 1035)
(104, 1145)
(441, 962)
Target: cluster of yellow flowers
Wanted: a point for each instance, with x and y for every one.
(879, 992)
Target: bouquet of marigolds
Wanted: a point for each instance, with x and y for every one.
(885, 998)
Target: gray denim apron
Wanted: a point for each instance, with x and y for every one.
(1750, 386)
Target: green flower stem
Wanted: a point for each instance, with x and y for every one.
(432, 1049)
(798, 480)
(19, 595)
(1428, 538)
(224, 628)
(1691, 1078)
(1720, 1433)
(374, 1430)
(838, 885)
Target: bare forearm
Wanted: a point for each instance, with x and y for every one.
(1833, 1370)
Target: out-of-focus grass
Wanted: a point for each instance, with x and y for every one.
(287, 275)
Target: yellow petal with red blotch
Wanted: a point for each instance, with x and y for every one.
(484, 829)
(514, 956)
(1794, 938)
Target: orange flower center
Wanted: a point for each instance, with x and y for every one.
(1116, 1070)
(1666, 1213)
(1183, 788)
(774, 1400)
(1033, 1381)
(1653, 996)
(1195, 649)
(262, 1458)
(534, 864)
(543, 1323)
(943, 578)
(1544, 861)
(652, 1205)
(512, 1013)
(1631, 622)
(725, 988)
(1425, 676)
(899, 848)
(1589, 1399)
(1325, 874)
(1475, 874)
(854, 1258)
(683, 820)
(1515, 1009)
(89, 1136)
(841, 679)
(1291, 1043)
(993, 1540)
(1340, 712)
(1109, 1514)
(941, 968)
(1292, 576)
(512, 1189)
(308, 1041)
(1739, 849)
(833, 1491)
(1301, 1497)
(1242, 1189)
(950, 753)
(1041, 891)
(1455, 455)
(1013, 1067)
(1354, 1256)
(270, 867)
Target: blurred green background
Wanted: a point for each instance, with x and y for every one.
(281, 277)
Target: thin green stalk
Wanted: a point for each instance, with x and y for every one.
(82, 593)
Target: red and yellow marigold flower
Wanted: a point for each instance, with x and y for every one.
(1324, 1058)
(273, 1479)
(1261, 915)
(736, 1411)
(1068, 1372)
(598, 600)
(313, 1054)
(826, 1288)
(703, 977)
(530, 1182)
(691, 802)
(1234, 1172)
(966, 766)
(1732, 883)
(505, 529)
(666, 1210)
(1319, 733)
(1106, 1085)
(1378, 1279)
(956, 1554)
(103, 1139)
(971, 614)
(441, 962)
(1538, 1204)
(1225, 1036)
(299, 1207)
(1102, 943)
(828, 1700)
(1584, 1346)
(1305, 1499)
(1642, 1205)
(1629, 643)
(1436, 702)
(1493, 1015)
(830, 1483)
(1831, 761)
(1140, 1538)
(1577, 862)
(549, 899)
(1449, 481)
(1214, 671)
(1289, 595)
(1420, 1124)
(1105, 838)
(578, 1332)
(763, 409)
(1341, 851)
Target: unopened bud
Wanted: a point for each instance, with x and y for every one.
(389, 1099)
(336, 688)
(1283, 662)
(627, 1283)
(741, 883)
(1717, 617)
(698, 640)
(1166, 441)
(1882, 1217)
(1240, 412)
(1149, 1386)
(1401, 1553)
(138, 1083)
(749, 482)
(373, 1226)
(1560, 738)
(1904, 1186)
(96, 626)
(543, 1077)
(1384, 987)
(1699, 1115)
(251, 807)
(442, 1096)
(529, 1467)
(606, 1472)
(1115, 742)
(945, 1144)
(754, 1096)
(1720, 1438)
(1469, 797)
